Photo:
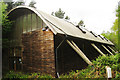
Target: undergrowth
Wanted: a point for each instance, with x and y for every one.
(13, 75)
(97, 70)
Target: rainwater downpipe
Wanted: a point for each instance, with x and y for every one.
(57, 56)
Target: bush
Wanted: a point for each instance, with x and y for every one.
(97, 70)
(19, 75)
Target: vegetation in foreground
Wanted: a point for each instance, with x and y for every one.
(21, 75)
(96, 71)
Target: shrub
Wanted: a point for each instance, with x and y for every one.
(97, 70)
(19, 75)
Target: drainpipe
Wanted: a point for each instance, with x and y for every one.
(57, 56)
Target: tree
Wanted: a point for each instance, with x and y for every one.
(6, 26)
(13, 4)
(118, 26)
(81, 23)
(32, 4)
(67, 18)
(60, 14)
(113, 35)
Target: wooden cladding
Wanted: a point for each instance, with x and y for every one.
(29, 21)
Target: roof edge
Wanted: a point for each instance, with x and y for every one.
(36, 12)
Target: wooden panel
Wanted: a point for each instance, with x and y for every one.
(34, 22)
(39, 23)
(29, 23)
(24, 24)
(26, 21)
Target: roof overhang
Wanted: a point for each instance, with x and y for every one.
(60, 26)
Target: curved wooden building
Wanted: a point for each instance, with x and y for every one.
(46, 44)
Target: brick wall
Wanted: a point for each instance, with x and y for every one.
(38, 52)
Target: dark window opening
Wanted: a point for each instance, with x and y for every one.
(15, 60)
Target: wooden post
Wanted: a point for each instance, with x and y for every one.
(106, 49)
(111, 49)
(15, 65)
(75, 47)
(98, 49)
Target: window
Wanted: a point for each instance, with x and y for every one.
(15, 60)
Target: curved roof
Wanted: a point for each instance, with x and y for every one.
(60, 26)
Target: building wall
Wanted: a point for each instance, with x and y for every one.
(25, 23)
(38, 52)
(68, 59)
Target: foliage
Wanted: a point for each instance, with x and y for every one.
(21, 75)
(67, 18)
(6, 26)
(118, 27)
(32, 4)
(60, 14)
(81, 23)
(113, 34)
(98, 69)
(13, 4)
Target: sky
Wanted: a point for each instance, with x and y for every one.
(98, 15)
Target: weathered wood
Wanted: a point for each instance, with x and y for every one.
(107, 49)
(111, 49)
(75, 47)
(98, 49)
